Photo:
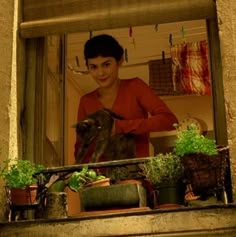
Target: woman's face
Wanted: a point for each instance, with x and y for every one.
(104, 70)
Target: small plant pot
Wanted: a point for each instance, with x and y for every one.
(23, 196)
(117, 196)
(171, 195)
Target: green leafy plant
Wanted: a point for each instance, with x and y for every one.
(79, 179)
(163, 168)
(19, 173)
(190, 141)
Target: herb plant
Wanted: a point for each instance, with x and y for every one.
(163, 168)
(190, 141)
(20, 173)
(79, 179)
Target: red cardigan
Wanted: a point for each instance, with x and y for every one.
(134, 101)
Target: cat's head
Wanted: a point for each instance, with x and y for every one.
(87, 129)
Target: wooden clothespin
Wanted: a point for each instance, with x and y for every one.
(131, 36)
(77, 61)
(170, 40)
(130, 31)
(133, 42)
(156, 27)
(183, 34)
(90, 34)
(163, 57)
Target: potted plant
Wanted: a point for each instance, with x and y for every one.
(165, 172)
(204, 164)
(21, 181)
(56, 197)
(190, 141)
(86, 178)
(96, 193)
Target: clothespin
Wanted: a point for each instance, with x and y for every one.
(133, 42)
(183, 34)
(90, 34)
(156, 27)
(170, 40)
(126, 55)
(131, 36)
(163, 57)
(77, 61)
(130, 31)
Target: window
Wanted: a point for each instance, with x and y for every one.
(120, 19)
(58, 86)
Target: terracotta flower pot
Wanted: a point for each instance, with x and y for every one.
(130, 181)
(23, 196)
(101, 182)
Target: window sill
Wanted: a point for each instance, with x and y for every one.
(213, 220)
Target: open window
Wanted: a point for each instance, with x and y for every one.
(152, 53)
(58, 58)
(148, 56)
(58, 76)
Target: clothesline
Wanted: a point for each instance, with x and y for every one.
(125, 34)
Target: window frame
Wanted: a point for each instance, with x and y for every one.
(68, 18)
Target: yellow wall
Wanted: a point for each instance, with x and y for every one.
(226, 10)
(6, 50)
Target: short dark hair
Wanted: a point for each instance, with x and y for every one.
(103, 45)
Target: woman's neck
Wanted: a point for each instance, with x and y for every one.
(109, 91)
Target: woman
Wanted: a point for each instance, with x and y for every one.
(130, 98)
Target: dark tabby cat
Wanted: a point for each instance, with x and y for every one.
(98, 126)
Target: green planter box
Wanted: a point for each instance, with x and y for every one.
(113, 196)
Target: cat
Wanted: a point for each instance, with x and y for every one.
(98, 127)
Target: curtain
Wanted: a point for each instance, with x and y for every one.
(190, 68)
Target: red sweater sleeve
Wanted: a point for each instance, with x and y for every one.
(161, 118)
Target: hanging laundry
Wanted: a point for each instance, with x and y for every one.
(190, 68)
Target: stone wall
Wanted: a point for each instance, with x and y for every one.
(226, 10)
(6, 32)
(12, 61)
